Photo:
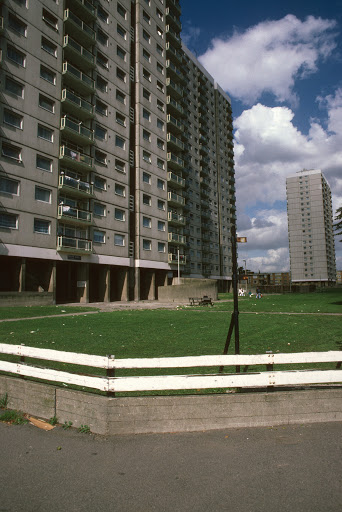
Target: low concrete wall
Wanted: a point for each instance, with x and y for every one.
(186, 413)
(186, 288)
(26, 299)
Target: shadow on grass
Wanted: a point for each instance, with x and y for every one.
(337, 303)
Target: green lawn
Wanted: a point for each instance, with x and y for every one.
(32, 311)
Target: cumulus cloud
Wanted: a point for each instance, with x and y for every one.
(269, 57)
(190, 33)
(273, 260)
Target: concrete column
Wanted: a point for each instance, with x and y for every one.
(166, 279)
(106, 297)
(83, 281)
(22, 275)
(125, 285)
(137, 284)
(152, 290)
(52, 283)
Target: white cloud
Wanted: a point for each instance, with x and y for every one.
(273, 260)
(269, 57)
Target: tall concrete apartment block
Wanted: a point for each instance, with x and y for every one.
(117, 169)
(310, 225)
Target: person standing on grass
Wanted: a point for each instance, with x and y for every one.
(258, 293)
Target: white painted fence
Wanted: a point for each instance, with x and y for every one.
(111, 383)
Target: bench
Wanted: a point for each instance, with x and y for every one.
(201, 301)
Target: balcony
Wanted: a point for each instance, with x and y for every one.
(74, 51)
(74, 215)
(173, 20)
(74, 245)
(173, 35)
(204, 192)
(85, 9)
(174, 238)
(176, 181)
(75, 187)
(203, 149)
(205, 214)
(76, 131)
(175, 5)
(174, 54)
(173, 259)
(76, 105)
(174, 162)
(75, 159)
(174, 124)
(77, 79)
(176, 219)
(174, 143)
(173, 71)
(205, 183)
(174, 107)
(175, 199)
(176, 90)
(80, 30)
(204, 203)
(1, 24)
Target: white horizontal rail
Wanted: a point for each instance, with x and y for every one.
(101, 383)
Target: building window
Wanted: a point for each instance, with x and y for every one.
(16, 56)
(120, 190)
(17, 25)
(99, 209)
(100, 157)
(14, 87)
(119, 214)
(146, 36)
(160, 184)
(120, 96)
(9, 186)
(46, 103)
(147, 157)
(146, 94)
(146, 75)
(42, 194)
(44, 163)
(146, 17)
(147, 245)
(161, 225)
(160, 144)
(41, 226)
(160, 32)
(160, 50)
(146, 55)
(120, 52)
(160, 106)
(99, 237)
(119, 240)
(121, 75)
(161, 205)
(160, 86)
(121, 11)
(160, 163)
(100, 183)
(100, 132)
(119, 142)
(9, 151)
(102, 60)
(48, 75)
(146, 200)
(147, 223)
(50, 19)
(8, 220)
(45, 133)
(120, 119)
(13, 119)
(146, 178)
(160, 68)
(49, 47)
(160, 124)
(146, 114)
(102, 14)
(161, 247)
(120, 166)
(121, 31)
(101, 37)
(146, 135)
(101, 84)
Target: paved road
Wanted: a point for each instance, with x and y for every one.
(292, 468)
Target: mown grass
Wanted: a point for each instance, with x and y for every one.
(34, 311)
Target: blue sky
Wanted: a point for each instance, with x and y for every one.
(282, 67)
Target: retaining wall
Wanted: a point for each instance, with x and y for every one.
(186, 413)
(186, 288)
(26, 299)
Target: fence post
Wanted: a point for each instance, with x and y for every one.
(110, 373)
(269, 368)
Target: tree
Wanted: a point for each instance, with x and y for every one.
(338, 225)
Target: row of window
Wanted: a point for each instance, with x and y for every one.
(11, 221)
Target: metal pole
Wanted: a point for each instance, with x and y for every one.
(235, 293)
(246, 274)
(178, 265)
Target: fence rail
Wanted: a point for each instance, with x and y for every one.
(114, 384)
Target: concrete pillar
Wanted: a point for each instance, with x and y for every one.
(106, 297)
(22, 275)
(152, 290)
(166, 279)
(83, 283)
(137, 284)
(125, 285)
(52, 283)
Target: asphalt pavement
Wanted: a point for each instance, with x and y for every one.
(287, 468)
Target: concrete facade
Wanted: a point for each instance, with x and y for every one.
(116, 153)
(310, 226)
(186, 413)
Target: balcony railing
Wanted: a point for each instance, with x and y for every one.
(77, 79)
(174, 123)
(75, 245)
(178, 91)
(173, 35)
(175, 106)
(86, 8)
(176, 180)
(75, 158)
(175, 162)
(77, 130)
(82, 188)
(176, 218)
(84, 57)
(173, 70)
(173, 259)
(1, 23)
(74, 214)
(174, 53)
(172, 197)
(172, 140)
(172, 19)
(174, 238)
(77, 105)
(79, 29)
